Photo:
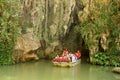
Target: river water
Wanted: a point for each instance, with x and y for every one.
(44, 70)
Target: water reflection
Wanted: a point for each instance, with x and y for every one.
(44, 70)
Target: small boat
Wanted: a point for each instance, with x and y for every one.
(67, 59)
(67, 64)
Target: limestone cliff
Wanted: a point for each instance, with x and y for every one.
(50, 20)
(56, 23)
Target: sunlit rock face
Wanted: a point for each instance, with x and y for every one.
(56, 22)
(87, 7)
(50, 20)
(25, 47)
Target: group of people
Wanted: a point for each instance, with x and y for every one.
(67, 57)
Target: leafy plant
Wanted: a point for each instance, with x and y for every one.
(8, 31)
(106, 59)
(52, 55)
(40, 54)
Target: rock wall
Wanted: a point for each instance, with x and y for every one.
(56, 24)
(25, 48)
(49, 20)
(97, 20)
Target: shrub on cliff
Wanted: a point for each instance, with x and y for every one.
(103, 17)
(8, 30)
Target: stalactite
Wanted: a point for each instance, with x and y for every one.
(60, 17)
(40, 19)
(46, 21)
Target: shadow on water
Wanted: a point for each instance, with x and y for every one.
(44, 70)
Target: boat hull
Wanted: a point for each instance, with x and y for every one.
(66, 64)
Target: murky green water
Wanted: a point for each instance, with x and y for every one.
(44, 70)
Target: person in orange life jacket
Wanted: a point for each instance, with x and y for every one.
(78, 54)
(56, 59)
(62, 59)
(65, 52)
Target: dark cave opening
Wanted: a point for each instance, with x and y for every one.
(85, 55)
(74, 42)
(83, 48)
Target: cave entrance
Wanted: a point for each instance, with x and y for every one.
(84, 50)
(81, 46)
(74, 42)
(85, 55)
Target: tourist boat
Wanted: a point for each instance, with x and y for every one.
(67, 64)
(67, 59)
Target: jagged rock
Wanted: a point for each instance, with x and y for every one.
(51, 19)
(27, 57)
(51, 48)
(104, 40)
(116, 70)
(83, 14)
(25, 47)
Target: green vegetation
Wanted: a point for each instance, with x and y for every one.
(103, 17)
(8, 30)
(107, 59)
(40, 54)
(52, 55)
